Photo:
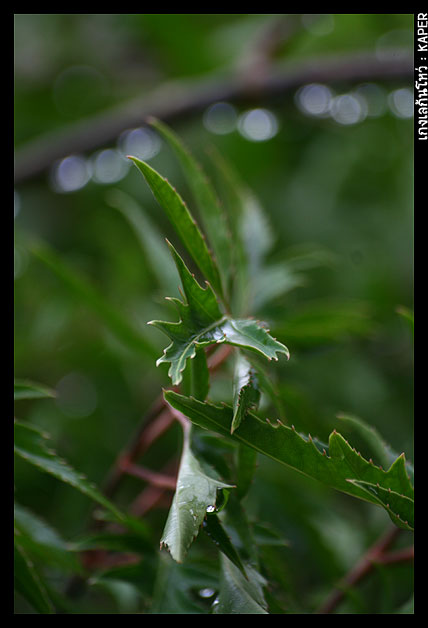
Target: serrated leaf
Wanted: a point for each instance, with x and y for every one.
(195, 492)
(240, 595)
(211, 213)
(381, 451)
(183, 223)
(29, 583)
(332, 465)
(32, 445)
(372, 438)
(203, 323)
(399, 507)
(246, 392)
(26, 389)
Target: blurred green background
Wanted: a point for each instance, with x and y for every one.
(332, 165)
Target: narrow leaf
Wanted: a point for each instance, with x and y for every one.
(115, 322)
(152, 242)
(332, 465)
(25, 389)
(408, 316)
(200, 375)
(32, 445)
(29, 583)
(40, 541)
(213, 219)
(246, 467)
(251, 233)
(213, 528)
(183, 223)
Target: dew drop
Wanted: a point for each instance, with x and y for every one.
(207, 592)
(210, 508)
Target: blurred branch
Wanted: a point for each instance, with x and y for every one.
(178, 99)
(377, 554)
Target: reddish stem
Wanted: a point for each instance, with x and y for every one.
(376, 554)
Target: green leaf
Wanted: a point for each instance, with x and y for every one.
(272, 282)
(29, 583)
(120, 542)
(407, 608)
(246, 392)
(152, 243)
(213, 528)
(379, 449)
(176, 585)
(408, 316)
(399, 507)
(183, 223)
(32, 445)
(240, 595)
(25, 389)
(256, 282)
(320, 322)
(246, 467)
(196, 493)
(115, 322)
(200, 375)
(372, 438)
(333, 465)
(202, 323)
(126, 596)
(41, 542)
(214, 220)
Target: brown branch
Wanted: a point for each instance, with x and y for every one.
(405, 555)
(376, 554)
(160, 480)
(154, 424)
(178, 99)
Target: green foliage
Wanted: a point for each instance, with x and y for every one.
(202, 323)
(335, 464)
(195, 495)
(264, 518)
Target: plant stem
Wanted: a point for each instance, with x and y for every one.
(376, 554)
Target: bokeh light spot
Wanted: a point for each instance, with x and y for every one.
(109, 166)
(374, 97)
(347, 109)
(143, 143)
(76, 395)
(220, 118)
(70, 174)
(314, 99)
(400, 102)
(258, 125)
